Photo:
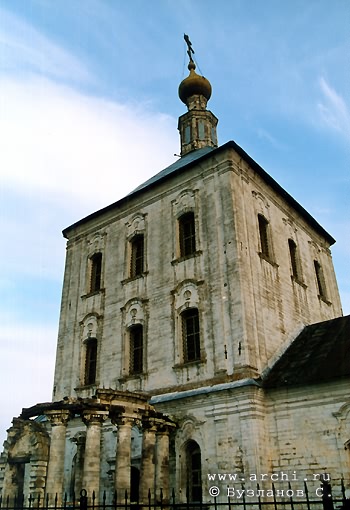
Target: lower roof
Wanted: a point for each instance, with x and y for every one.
(320, 353)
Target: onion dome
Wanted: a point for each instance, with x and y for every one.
(194, 84)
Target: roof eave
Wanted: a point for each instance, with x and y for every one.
(228, 145)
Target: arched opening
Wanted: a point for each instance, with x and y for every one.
(194, 471)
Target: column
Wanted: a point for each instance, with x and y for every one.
(162, 462)
(148, 460)
(123, 457)
(54, 482)
(92, 459)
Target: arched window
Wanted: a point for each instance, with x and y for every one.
(91, 361)
(264, 236)
(321, 285)
(187, 234)
(194, 471)
(191, 335)
(136, 349)
(294, 259)
(95, 272)
(137, 256)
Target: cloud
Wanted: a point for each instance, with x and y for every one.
(265, 135)
(25, 49)
(55, 140)
(333, 110)
(34, 364)
(63, 155)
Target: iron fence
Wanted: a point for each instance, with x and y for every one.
(86, 501)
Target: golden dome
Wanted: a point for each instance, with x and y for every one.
(194, 84)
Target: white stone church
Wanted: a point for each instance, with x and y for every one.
(201, 332)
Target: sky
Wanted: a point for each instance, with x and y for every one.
(89, 110)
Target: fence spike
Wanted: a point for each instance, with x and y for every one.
(291, 497)
(307, 495)
(126, 499)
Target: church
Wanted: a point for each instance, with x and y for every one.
(201, 333)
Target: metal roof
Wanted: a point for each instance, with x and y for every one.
(187, 162)
(180, 163)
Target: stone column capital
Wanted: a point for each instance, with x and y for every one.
(94, 416)
(125, 421)
(150, 424)
(58, 416)
(165, 428)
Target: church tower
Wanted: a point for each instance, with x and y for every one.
(197, 127)
(200, 332)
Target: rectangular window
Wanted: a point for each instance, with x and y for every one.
(137, 256)
(321, 285)
(191, 336)
(96, 272)
(91, 361)
(187, 134)
(187, 234)
(293, 252)
(264, 237)
(201, 131)
(136, 349)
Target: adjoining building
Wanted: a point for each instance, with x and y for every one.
(201, 332)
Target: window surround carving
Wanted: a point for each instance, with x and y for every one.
(134, 314)
(265, 239)
(95, 245)
(263, 225)
(135, 228)
(90, 328)
(321, 282)
(295, 262)
(186, 297)
(185, 203)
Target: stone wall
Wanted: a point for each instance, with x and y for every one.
(249, 307)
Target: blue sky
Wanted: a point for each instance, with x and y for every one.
(89, 108)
